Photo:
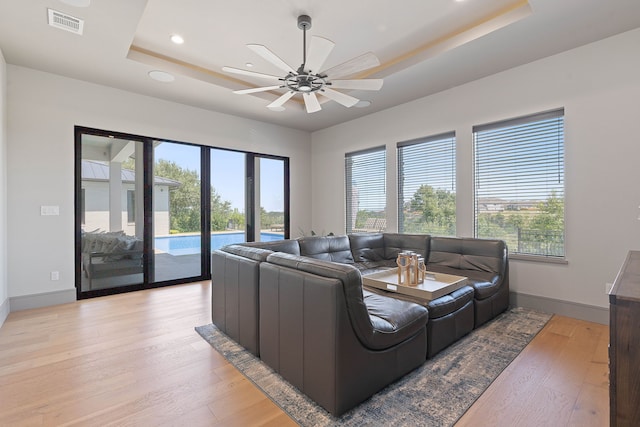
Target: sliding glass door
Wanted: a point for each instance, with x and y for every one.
(177, 211)
(228, 193)
(110, 214)
(149, 212)
(271, 199)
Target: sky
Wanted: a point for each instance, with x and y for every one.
(227, 173)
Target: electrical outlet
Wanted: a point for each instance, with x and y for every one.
(49, 210)
(55, 275)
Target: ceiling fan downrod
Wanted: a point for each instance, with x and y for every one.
(303, 81)
(304, 23)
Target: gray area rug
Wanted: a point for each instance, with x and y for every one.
(436, 394)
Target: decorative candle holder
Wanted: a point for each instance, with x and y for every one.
(411, 268)
(422, 270)
(404, 262)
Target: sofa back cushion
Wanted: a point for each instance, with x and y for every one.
(286, 246)
(251, 252)
(327, 248)
(394, 243)
(481, 255)
(367, 247)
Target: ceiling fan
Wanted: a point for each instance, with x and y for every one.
(306, 79)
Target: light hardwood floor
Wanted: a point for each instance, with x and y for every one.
(134, 359)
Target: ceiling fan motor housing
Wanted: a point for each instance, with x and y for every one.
(304, 82)
(304, 22)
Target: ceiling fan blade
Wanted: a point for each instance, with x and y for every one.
(249, 73)
(280, 101)
(311, 102)
(353, 66)
(364, 84)
(319, 51)
(339, 97)
(264, 52)
(255, 89)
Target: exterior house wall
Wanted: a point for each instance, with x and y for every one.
(96, 199)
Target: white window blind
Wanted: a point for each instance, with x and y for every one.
(519, 183)
(366, 196)
(427, 185)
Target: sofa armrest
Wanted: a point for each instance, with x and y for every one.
(235, 282)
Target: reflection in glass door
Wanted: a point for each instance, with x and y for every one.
(110, 213)
(177, 212)
(270, 197)
(228, 189)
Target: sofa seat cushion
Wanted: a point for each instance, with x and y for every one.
(450, 303)
(327, 248)
(485, 283)
(370, 267)
(393, 320)
(485, 289)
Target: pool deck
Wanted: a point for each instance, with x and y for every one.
(167, 267)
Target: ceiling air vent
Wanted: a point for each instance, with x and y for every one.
(65, 22)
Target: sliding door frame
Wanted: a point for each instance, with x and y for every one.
(148, 215)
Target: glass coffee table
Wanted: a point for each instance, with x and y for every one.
(434, 286)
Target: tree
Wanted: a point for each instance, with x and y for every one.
(431, 210)
(221, 212)
(184, 200)
(551, 216)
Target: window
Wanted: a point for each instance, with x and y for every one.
(427, 185)
(519, 183)
(366, 178)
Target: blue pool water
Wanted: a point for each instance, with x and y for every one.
(188, 245)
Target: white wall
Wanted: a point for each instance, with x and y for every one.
(599, 87)
(42, 111)
(4, 284)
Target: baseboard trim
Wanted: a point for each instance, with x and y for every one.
(46, 299)
(4, 311)
(590, 313)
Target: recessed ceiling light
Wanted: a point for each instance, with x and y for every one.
(278, 109)
(248, 64)
(77, 3)
(177, 38)
(362, 104)
(161, 76)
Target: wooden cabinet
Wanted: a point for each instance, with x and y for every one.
(624, 346)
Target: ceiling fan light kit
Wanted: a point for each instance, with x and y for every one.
(306, 79)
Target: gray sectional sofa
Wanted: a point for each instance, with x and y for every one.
(108, 254)
(301, 307)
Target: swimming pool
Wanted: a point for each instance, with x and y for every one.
(189, 245)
